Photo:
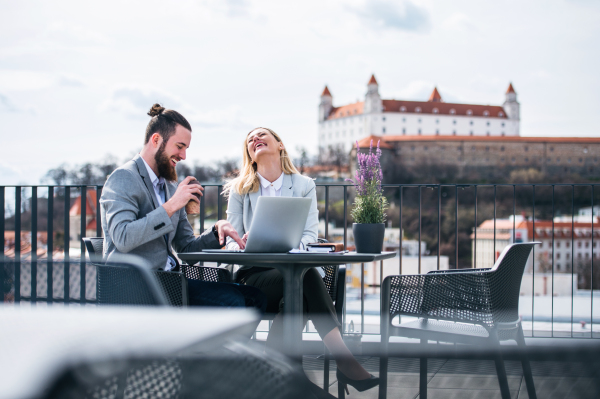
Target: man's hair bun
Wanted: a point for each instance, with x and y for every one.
(156, 109)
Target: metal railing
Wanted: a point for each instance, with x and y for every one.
(446, 216)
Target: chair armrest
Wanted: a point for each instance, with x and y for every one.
(459, 271)
(463, 297)
(207, 273)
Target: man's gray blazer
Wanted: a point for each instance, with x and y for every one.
(133, 223)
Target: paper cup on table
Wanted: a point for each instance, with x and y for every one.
(192, 207)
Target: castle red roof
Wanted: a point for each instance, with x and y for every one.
(424, 107)
(510, 89)
(326, 92)
(372, 80)
(347, 110)
(435, 96)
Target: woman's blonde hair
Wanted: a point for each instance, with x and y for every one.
(247, 181)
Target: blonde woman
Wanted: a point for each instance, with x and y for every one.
(267, 170)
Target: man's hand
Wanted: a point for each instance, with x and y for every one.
(225, 229)
(184, 194)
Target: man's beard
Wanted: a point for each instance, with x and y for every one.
(163, 163)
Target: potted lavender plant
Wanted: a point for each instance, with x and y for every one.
(370, 203)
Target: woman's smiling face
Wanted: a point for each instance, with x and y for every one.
(261, 142)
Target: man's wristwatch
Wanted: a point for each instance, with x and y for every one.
(215, 232)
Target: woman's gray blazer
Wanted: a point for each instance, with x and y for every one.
(240, 207)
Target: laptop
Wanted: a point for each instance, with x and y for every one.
(277, 225)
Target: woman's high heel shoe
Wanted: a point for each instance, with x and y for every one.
(359, 385)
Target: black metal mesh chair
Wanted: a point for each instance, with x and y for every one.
(472, 306)
(127, 282)
(173, 284)
(232, 371)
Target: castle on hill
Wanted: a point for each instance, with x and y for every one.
(345, 124)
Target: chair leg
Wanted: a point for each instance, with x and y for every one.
(326, 371)
(526, 366)
(502, 379)
(383, 369)
(423, 373)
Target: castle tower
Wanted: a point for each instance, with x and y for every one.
(373, 102)
(435, 96)
(511, 106)
(326, 104)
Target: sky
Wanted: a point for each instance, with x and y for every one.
(77, 78)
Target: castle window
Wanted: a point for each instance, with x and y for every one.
(526, 159)
(580, 159)
(412, 147)
(383, 118)
(487, 133)
(502, 148)
(437, 121)
(469, 112)
(488, 123)
(454, 122)
(452, 111)
(487, 149)
(514, 159)
(419, 120)
(486, 112)
(502, 124)
(585, 150)
(569, 160)
(383, 130)
(419, 132)
(403, 109)
(435, 111)
(502, 159)
(471, 123)
(471, 132)
(418, 109)
(343, 133)
(473, 148)
(502, 133)
(549, 159)
(454, 132)
(558, 159)
(425, 148)
(500, 114)
(403, 130)
(551, 149)
(437, 131)
(526, 148)
(403, 119)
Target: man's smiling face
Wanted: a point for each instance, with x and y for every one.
(171, 152)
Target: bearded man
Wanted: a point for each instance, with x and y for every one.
(143, 212)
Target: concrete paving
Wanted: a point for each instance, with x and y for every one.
(465, 379)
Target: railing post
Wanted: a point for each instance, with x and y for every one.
(82, 226)
(17, 244)
(3, 237)
(66, 239)
(50, 247)
(34, 204)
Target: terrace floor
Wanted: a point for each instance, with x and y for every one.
(465, 379)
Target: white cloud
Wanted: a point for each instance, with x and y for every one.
(404, 16)
(459, 22)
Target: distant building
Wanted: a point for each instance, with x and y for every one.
(75, 219)
(572, 242)
(343, 125)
